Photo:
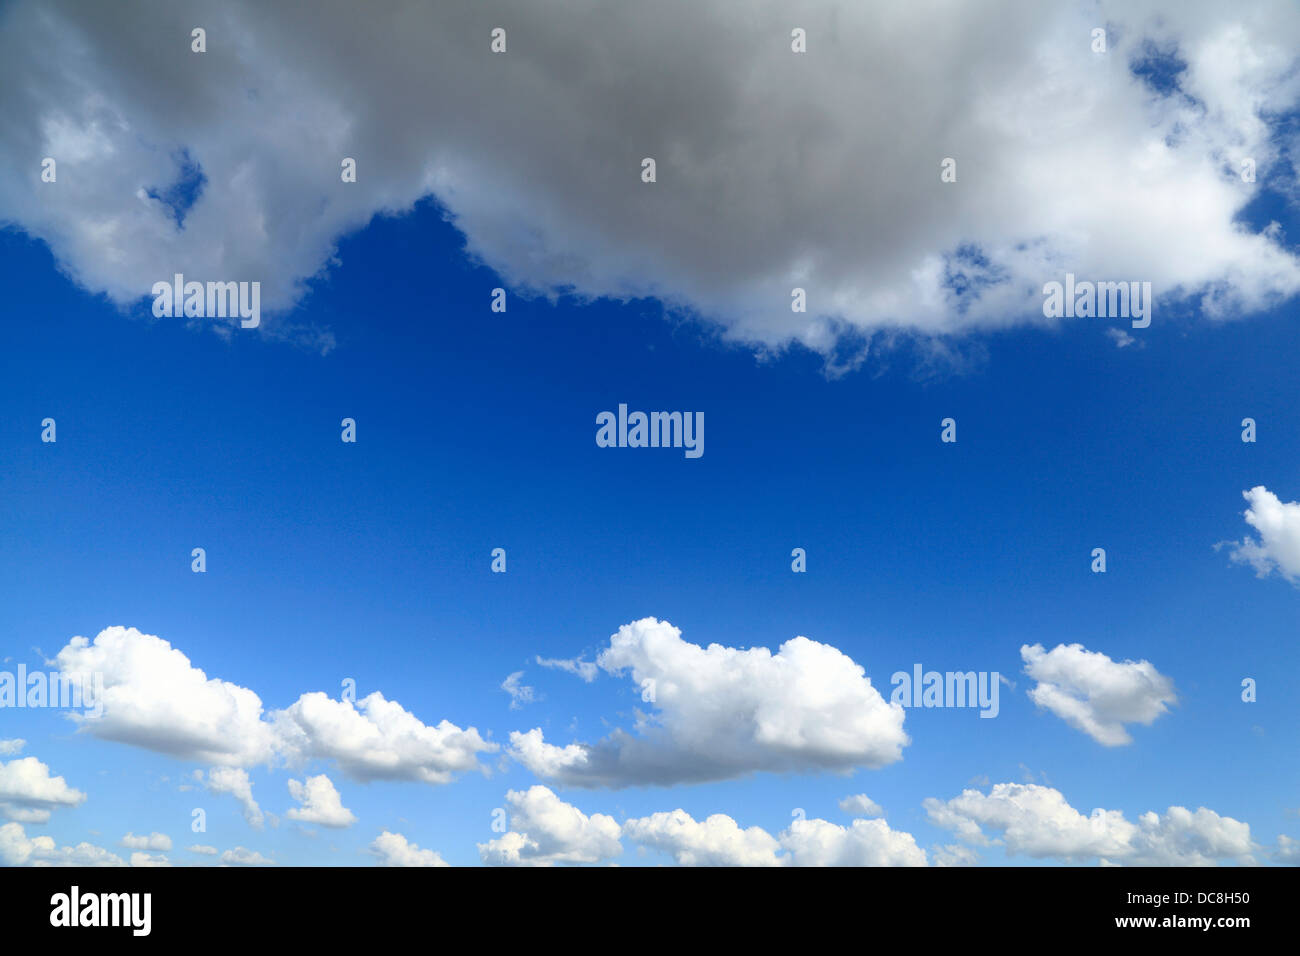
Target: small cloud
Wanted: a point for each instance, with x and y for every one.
(860, 805)
(154, 841)
(577, 666)
(520, 694)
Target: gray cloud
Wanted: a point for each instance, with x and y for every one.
(775, 169)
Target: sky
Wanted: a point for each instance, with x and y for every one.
(650, 681)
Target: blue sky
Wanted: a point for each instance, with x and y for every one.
(372, 560)
(475, 430)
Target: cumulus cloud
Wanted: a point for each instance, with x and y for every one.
(861, 843)
(1095, 694)
(10, 747)
(28, 793)
(154, 841)
(149, 859)
(1036, 821)
(544, 830)
(860, 805)
(393, 849)
(1278, 546)
(724, 712)
(719, 841)
(536, 154)
(377, 739)
(321, 803)
(715, 841)
(156, 699)
(202, 849)
(16, 849)
(235, 781)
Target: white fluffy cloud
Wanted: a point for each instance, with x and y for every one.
(28, 793)
(1036, 821)
(719, 841)
(154, 841)
(16, 849)
(724, 712)
(393, 849)
(716, 841)
(321, 803)
(155, 698)
(544, 830)
(10, 747)
(1066, 161)
(1095, 694)
(1278, 546)
(377, 739)
(861, 843)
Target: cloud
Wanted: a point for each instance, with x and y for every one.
(587, 670)
(1093, 693)
(17, 850)
(860, 805)
(235, 782)
(202, 850)
(393, 849)
(10, 747)
(148, 859)
(861, 843)
(1278, 546)
(715, 841)
(544, 830)
(154, 841)
(1288, 850)
(1036, 821)
(723, 712)
(535, 155)
(321, 803)
(954, 854)
(377, 739)
(719, 841)
(519, 694)
(242, 856)
(28, 793)
(156, 699)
